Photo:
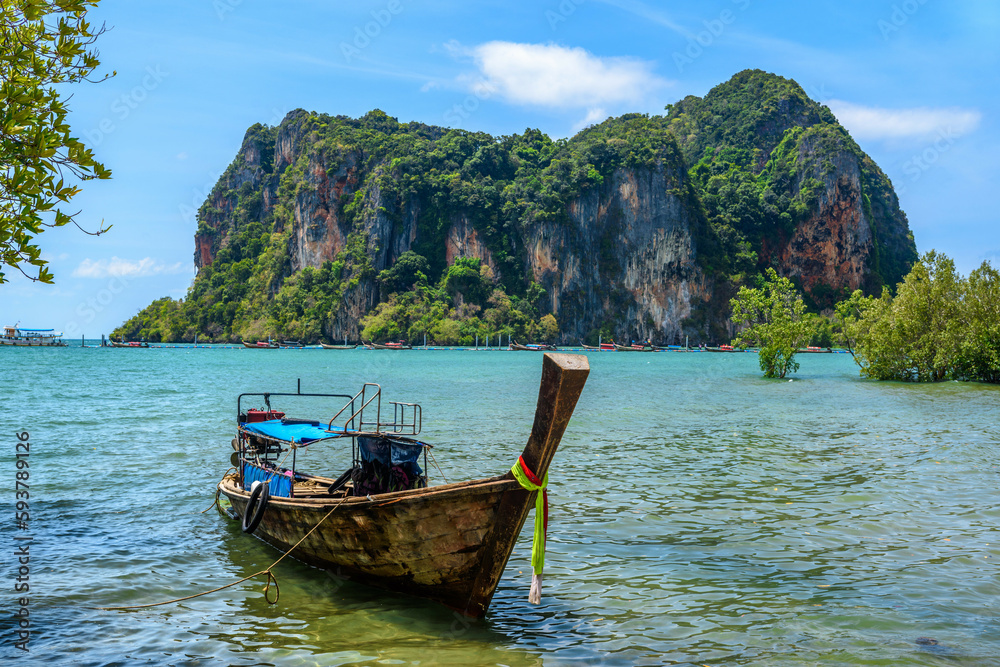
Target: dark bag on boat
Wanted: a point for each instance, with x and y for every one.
(387, 465)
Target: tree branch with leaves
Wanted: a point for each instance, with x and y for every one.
(43, 43)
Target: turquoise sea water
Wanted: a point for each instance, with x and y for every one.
(700, 514)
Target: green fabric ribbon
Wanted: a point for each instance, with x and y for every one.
(521, 474)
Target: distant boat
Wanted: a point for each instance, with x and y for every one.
(290, 343)
(606, 347)
(389, 346)
(722, 348)
(337, 347)
(533, 347)
(31, 337)
(134, 343)
(814, 350)
(634, 348)
(261, 345)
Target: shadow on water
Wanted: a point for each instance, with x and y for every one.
(326, 616)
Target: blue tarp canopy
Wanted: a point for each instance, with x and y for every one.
(299, 432)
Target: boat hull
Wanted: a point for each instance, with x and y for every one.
(428, 543)
(32, 343)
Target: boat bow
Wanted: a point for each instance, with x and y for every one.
(563, 378)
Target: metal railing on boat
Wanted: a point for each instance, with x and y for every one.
(399, 424)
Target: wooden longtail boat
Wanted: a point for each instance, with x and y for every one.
(633, 348)
(337, 347)
(447, 543)
(532, 347)
(134, 343)
(261, 345)
(388, 346)
(605, 347)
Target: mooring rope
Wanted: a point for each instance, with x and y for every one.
(437, 466)
(267, 586)
(215, 503)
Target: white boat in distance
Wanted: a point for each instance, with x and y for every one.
(31, 337)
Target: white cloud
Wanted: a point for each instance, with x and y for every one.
(593, 117)
(918, 123)
(550, 75)
(124, 268)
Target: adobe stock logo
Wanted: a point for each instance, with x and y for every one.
(88, 309)
(899, 17)
(363, 36)
(699, 42)
(123, 106)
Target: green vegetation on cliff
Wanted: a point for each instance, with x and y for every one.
(761, 153)
(326, 225)
(500, 185)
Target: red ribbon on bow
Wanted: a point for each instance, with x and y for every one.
(534, 479)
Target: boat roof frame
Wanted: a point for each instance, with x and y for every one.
(355, 423)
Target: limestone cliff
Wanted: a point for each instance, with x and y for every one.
(627, 255)
(640, 227)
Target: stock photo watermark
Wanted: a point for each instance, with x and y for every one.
(562, 13)
(922, 162)
(900, 16)
(124, 105)
(705, 39)
(223, 7)
(363, 35)
(189, 210)
(88, 309)
(22, 540)
(481, 92)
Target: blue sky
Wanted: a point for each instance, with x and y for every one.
(915, 82)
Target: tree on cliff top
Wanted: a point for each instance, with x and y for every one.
(44, 43)
(774, 314)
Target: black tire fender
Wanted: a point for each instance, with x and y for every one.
(254, 513)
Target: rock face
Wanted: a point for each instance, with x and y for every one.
(628, 253)
(834, 245)
(623, 254)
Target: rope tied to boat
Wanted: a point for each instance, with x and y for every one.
(266, 572)
(529, 481)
